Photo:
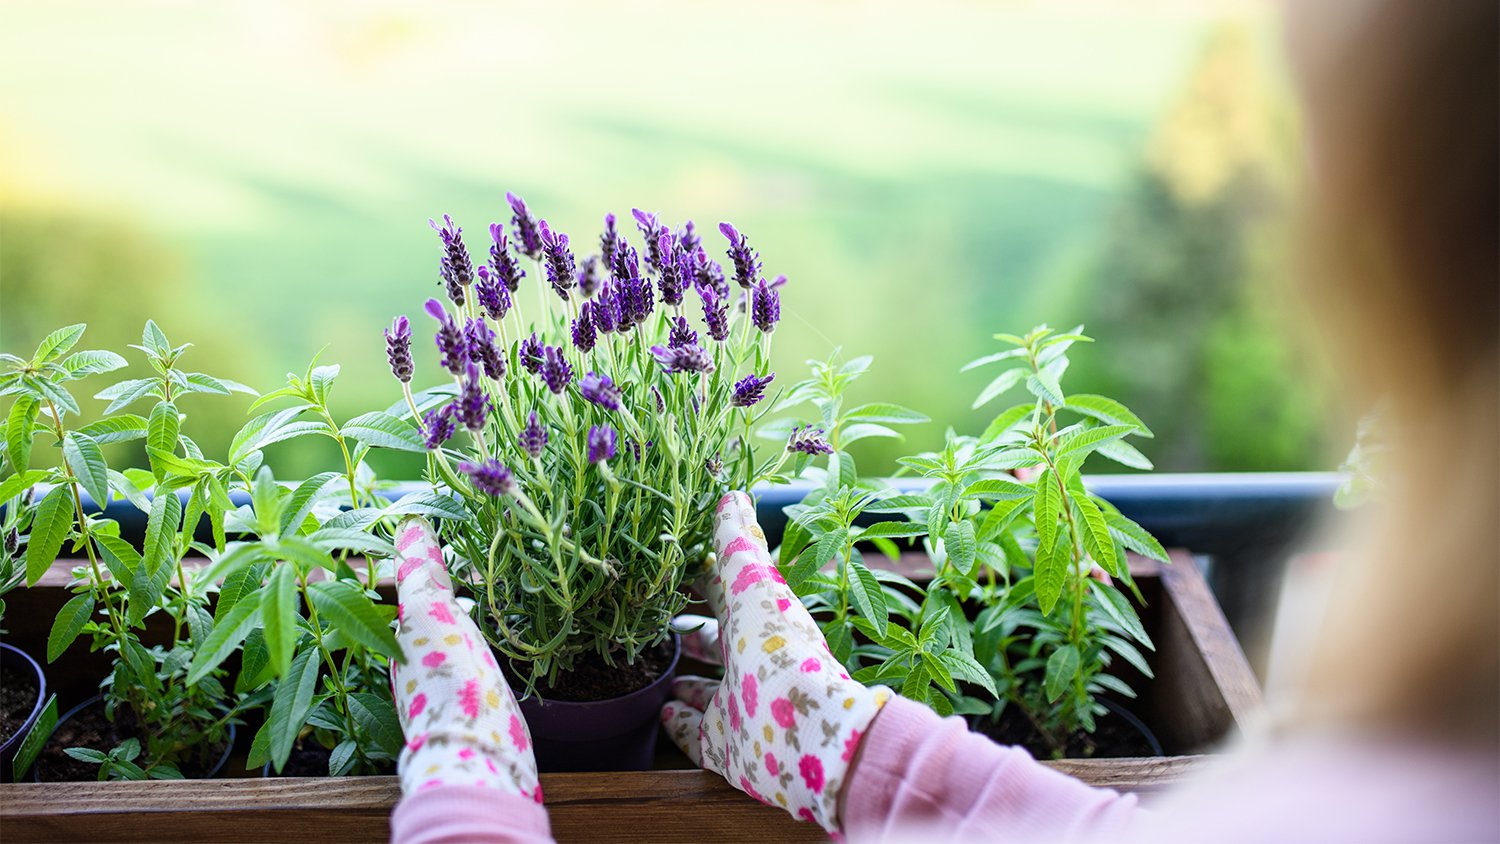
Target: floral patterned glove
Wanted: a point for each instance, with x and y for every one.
(461, 723)
(786, 720)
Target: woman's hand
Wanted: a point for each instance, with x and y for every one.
(787, 719)
(460, 720)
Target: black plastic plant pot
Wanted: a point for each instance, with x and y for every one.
(16, 664)
(1136, 724)
(618, 734)
(98, 701)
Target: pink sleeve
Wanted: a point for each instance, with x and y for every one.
(462, 813)
(921, 774)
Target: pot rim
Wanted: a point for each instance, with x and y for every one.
(14, 741)
(98, 699)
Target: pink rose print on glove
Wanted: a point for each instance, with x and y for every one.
(410, 565)
(812, 772)
(740, 543)
(734, 713)
(440, 612)
(772, 766)
(811, 665)
(750, 695)
(418, 704)
(468, 699)
(784, 713)
(518, 732)
(434, 659)
(753, 574)
(850, 745)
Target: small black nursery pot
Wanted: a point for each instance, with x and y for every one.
(23, 691)
(89, 719)
(616, 734)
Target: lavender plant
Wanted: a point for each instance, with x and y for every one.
(587, 437)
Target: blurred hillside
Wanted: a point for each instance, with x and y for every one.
(258, 176)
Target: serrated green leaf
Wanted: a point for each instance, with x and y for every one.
(17, 484)
(386, 431)
(1008, 354)
(1125, 454)
(1003, 382)
(126, 393)
(226, 636)
(1118, 607)
(430, 504)
(1062, 667)
(161, 434)
(19, 432)
(49, 529)
(1135, 537)
(376, 719)
(161, 532)
(279, 617)
(961, 664)
(867, 594)
(82, 364)
(87, 463)
(200, 383)
(55, 393)
(1096, 537)
(959, 542)
(1046, 506)
(68, 624)
(998, 488)
(154, 339)
(1005, 421)
(1044, 385)
(114, 429)
(54, 345)
(120, 557)
(885, 412)
(294, 701)
(301, 503)
(1091, 439)
(240, 581)
(350, 611)
(36, 738)
(1108, 411)
(1052, 562)
(893, 529)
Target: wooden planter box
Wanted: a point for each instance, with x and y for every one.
(1204, 693)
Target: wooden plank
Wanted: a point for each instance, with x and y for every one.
(620, 807)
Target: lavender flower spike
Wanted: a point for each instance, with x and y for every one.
(683, 359)
(398, 349)
(670, 278)
(746, 261)
(603, 443)
(715, 313)
(453, 347)
(529, 240)
(808, 440)
(750, 389)
(687, 238)
(652, 231)
(490, 477)
(681, 334)
(493, 294)
(555, 369)
(588, 276)
(531, 354)
(473, 404)
(558, 261)
(455, 268)
(583, 327)
(437, 426)
(505, 266)
(533, 437)
(602, 310)
(482, 348)
(600, 390)
(765, 306)
(609, 242)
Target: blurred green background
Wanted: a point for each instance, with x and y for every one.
(257, 177)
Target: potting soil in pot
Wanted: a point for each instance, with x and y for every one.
(89, 728)
(18, 691)
(593, 679)
(311, 760)
(1115, 737)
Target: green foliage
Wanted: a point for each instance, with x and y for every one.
(1013, 535)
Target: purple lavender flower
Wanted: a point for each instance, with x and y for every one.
(652, 231)
(603, 443)
(555, 369)
(687, 238)
(609, 242)
(600, 390)
(437, 426)
(626, 263)
(453, 348)
(531, 354)
(398, 349)
(455, 268)
(633, 300)
(707, 273)
(473, 403)
(683, 359)
(490, 477)
(808, 440)
(603, 309)
(681, 334)
(765, 307)
(505, 266)
(482, 348)
(529, 240)
(661, 403)
(588, 275)
(669, 273)
(750, 389)
(492, 294)
(715, 313)
(746, 261)
(714, 466)
(558, 261)
(583, 327)
(533, 437)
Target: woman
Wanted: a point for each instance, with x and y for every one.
(1394, 732)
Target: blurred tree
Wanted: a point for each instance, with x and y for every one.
(1183, 299)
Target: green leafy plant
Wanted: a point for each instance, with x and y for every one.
(179, 720)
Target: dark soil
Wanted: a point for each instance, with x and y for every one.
(593, 679)
(18, 692)
(90, 728)
(311, 760)
(1115, 737)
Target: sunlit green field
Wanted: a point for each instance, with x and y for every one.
(925, 174)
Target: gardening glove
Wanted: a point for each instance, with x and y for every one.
(787, 719)
(460, 720)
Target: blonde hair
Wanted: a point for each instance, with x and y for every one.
(1401, 112)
